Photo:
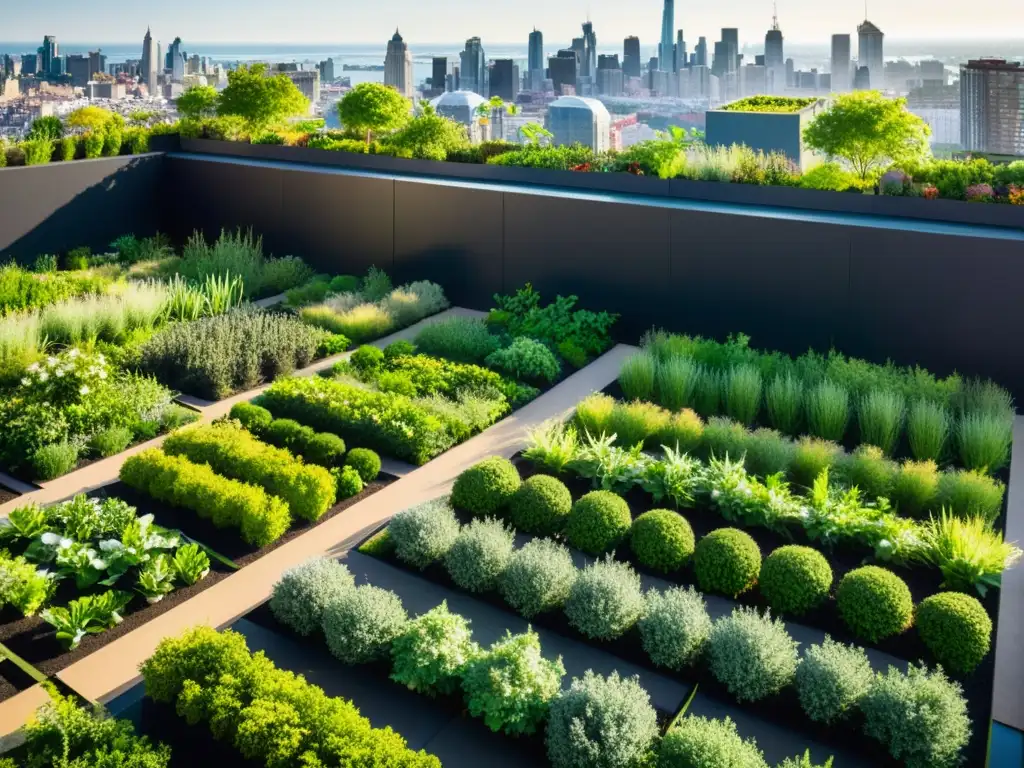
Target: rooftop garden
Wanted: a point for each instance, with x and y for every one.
(770, 104)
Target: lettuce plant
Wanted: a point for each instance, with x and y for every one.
(87, 615)
(156, 579)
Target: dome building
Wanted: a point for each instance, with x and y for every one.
(575, 119)
(459, 106)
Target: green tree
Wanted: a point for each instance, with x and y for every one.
(261, 100)
(90, 118)
(430, 137)
(373, 108)
(197, 102)
(49, 128)
(869, 132)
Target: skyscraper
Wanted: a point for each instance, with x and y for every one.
(840, 63)
(665, 48)
(563, 69)
(176, 61)
(150, 63)
(609, 76)
(731, 36)
(78, 69)
(992, 106)
(701, 52)
(97, 63)
(536, 55)
(473, 73)
(439, 74)
(49, 53)
(869, 53)
(504, 79)
(588, 66)
(774, 59)
(631, 66)
(679, 60)
(398, 66)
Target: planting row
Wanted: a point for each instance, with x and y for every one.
(899, 410)
(597, 721)
(966, 549)
(913, 488)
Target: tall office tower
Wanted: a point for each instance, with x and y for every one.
(609, 76)
(176, 61)
(439, 74)
(869, 53)
(326, 68)
(701, 52)
(30, 63)
(731, 35)
(840, 63)
(679, 60)
(631, 66)
(774, 60)
(992, 106)
(563, 70)
(588, 66)
(535, 60)
(49, 53)
(97, 63)
(398, 66)
(579, 46)
(150, 62)
(195, 64)
(665, 49)
(504, 79)
(473, 72)
(78, 69)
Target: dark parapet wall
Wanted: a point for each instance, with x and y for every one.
(53, 208)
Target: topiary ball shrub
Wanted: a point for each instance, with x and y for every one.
(425, 533)
(675, 627)
(367, 358)
(599, 722)
(541, 505)
(920, 717)
(349, 482)
(700, 742)
(486, 488)
(956, 628)
(662, 540)
(302, 595)
(480, 554)
(400, 348)
(832, 679)
(874, 603)
(795, 579)
(598, 522)
(253, 417)
(325, 449)
(752, 655)
(606, 600)
(286, 433)
(538, 577)
(433, 649)
(727, 561)
(365, 462)
(361, 623)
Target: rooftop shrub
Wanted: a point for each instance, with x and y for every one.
(832, 679)
(727, 561)
(606, 600)
(252, 417)
(526, 359)
(795, 579)
(360, 623)
(432, 651)
(365, 462)
(487, 487)
(770, 104)
(875, 603)
(460, 339)
(957, 630)
(967, 494)
(304, 592)
(752, 655)
(541, 505)
(662, 540)
(700, 742)
(240, 253)
(538, 578)
(425, 533)
(480, 554)
(675, 627)
(598, 522)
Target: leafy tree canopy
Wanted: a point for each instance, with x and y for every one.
(90, 118)
(198, 102)
(869, 132)
(373, 108)
(49, 128)
(258, 99)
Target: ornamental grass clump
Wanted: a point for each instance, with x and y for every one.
(968, 493)
(675, 381)
(480, 554)
(432, 651)
(868, 469)
(957, 630)
(724, 439)
(742, 393)
(662, 540)
(683, 432)
(540, 506)
(487, 487)
(880, 417)
(675, 627)
(783, 400)
(874, 603)
(920, 717)
(424, 534)
(636, 423)
(811, 457)
(361, 623)
(598, 522)
(460, 339)
(927, 429)
(795, 579)
(916, 487)
(727, 561)
(606, 600)
(752, 655)
(304, 592)
(707, 392)
(700, 742)
(637, 376)
(832, 679)
(538, 577)
(361, 323)
(601, 722)
(594, 413)
(984, 441)
(827, 408)
(511, 685)
(553, 445)
(767, 453)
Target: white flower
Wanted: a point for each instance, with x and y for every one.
(99, 565)
(43, 375)
(111, 545)
(101, 358)
(50, 539)
(25, 382)
(59, 373)
(77, 638)
(103, 375)
(73, 353)
(51, 361)
(715, 493)
(33, 368)
(83, 390)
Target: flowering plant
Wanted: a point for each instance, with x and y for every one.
(64, 379)
(1015, 195)
(930, 192)
(979, 193)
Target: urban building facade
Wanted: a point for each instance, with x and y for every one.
(631, 66)
(666, 48)
(473, 72)
(774, 58)
(535, 61)
(504, 79)
(398, 66)
(150, 62)
(869, 53)
(840, 63)
(992, 107)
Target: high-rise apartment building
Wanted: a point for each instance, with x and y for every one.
(666, 49)
(992, 106)
(774, 58)
(97, 63)
(679, 56)
(869, 53)
(439, 75)
(398, 66)
(841, 63)
(610, 80)
(150, 62)
(473, 72)
(176, 61)
(731, 35)
(701, 52)
(588, 65)
(504, 79)
(631, 66)
(573, 119)
(50, 55)
(78, 69)
(535, 59)
(562, 71)
(31, 63)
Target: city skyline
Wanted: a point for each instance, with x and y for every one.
(230, 21)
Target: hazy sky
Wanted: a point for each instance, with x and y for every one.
(371, 21)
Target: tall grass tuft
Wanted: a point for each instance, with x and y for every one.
(916, 488)
(811, 457)
(637, 422)
(724, 438)
(966, 493)
(970, 554)
(20, 345)
(636, 377)
(104, 318)
(784, 401)
(927, 430)
(768, 453)
(828, 411)
(676, 378)
(984, 440)
(594, 414)
(880, 417)
(742, 391)
(983, 396)
(707, 393)
(360, 324)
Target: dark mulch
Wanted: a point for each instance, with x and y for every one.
(7, 688)
(6, 495)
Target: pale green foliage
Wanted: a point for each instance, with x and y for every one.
(752, 655)
(479, 555)
(675, 627)
(425, 533)
(433, 649)
(373, 108)
(259, 99)
(361, 623)
(606, 600)
(832, 679)
(699, 742)
(538, 577)
(304, 592)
